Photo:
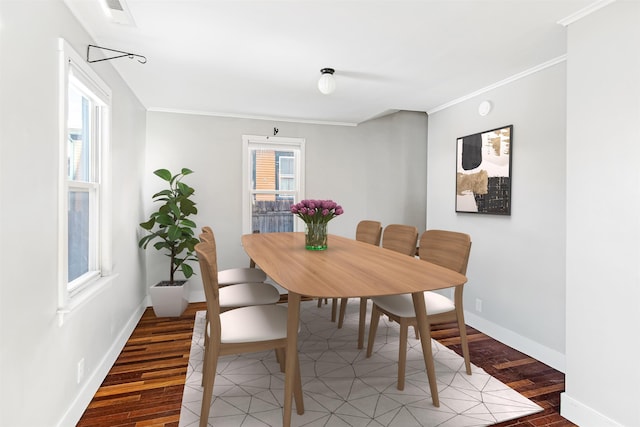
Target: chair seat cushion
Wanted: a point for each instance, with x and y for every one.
(255, 323)
(244, 294)
(232, 276)
(402, 305)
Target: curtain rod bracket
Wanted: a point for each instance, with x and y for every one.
(141, 59)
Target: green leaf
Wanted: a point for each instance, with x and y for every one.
(145, 241)
(188, 207)
(165, 209)
(185, 190)
(186, 171)
(161, 245)
(175, 210)
(148, 225)
(188, 223)
(163, 193)
(164, 174)
(174, 232)
(192, 244)
(164, 219)
(187, 270)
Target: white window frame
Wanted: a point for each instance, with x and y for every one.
(74, 70)
(251, 142)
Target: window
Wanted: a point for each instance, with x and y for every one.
(84, 152)
(273, 171)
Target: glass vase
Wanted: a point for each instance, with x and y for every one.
(315, 238)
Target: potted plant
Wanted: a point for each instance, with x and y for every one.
(173, 232)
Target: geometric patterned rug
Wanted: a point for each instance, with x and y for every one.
(342, 387)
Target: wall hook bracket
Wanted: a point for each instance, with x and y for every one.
(141, 59)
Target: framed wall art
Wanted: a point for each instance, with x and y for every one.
(483, 172)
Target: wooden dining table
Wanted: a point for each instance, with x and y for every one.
(346, 269)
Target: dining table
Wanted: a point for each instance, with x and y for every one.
(346, 269)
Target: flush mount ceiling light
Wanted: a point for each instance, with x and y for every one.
(327, 84)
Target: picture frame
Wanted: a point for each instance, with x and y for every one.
(483, 172)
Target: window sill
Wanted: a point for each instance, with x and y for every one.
(86, 295)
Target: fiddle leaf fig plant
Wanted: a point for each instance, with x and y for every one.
(170, 226)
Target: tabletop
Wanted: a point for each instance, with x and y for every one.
(348, 268)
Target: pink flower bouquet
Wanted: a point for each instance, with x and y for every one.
(316, 211)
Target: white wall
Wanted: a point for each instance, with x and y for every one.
(38, 359)
(603, 226)
(375, 171)
(517, 263)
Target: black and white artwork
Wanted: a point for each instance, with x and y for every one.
(483, 172)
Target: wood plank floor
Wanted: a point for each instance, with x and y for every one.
(145, 385)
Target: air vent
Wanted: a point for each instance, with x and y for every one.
(118, 12)
(114, 5)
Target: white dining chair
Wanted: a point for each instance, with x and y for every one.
(235, 295)
(445, 248)
(241, 330)
(367, 231)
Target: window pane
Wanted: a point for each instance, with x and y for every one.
(78, 215)
(287, 184)
(270, 216)
(263, 170)
(270, 167)
(78, 152)
(286, 165)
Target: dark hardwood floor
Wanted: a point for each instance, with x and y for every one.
(144, 386)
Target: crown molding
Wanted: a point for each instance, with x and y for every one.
(241, 116)
(565, 22)
(504, 82)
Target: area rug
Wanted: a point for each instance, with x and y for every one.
(344, 388)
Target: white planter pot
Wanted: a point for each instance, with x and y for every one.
(169, 301)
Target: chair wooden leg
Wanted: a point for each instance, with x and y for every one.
(280, 358)
(373, 328)
(343, 309)
(320, 301)
(402, 352)
(206, 350)
(362, 321)
(463, 340)
(211, 364)
(334, 309)
(206, 335)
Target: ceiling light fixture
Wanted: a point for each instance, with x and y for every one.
(327, 84)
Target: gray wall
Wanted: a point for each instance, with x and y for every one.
(375, 171)
(517, 262)
(38, 358)
(603, 230)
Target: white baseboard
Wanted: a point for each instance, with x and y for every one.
(82, 400)
(582, 415)
(544, 354)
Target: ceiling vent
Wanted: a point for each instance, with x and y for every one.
(118, 12)
(114, 5)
